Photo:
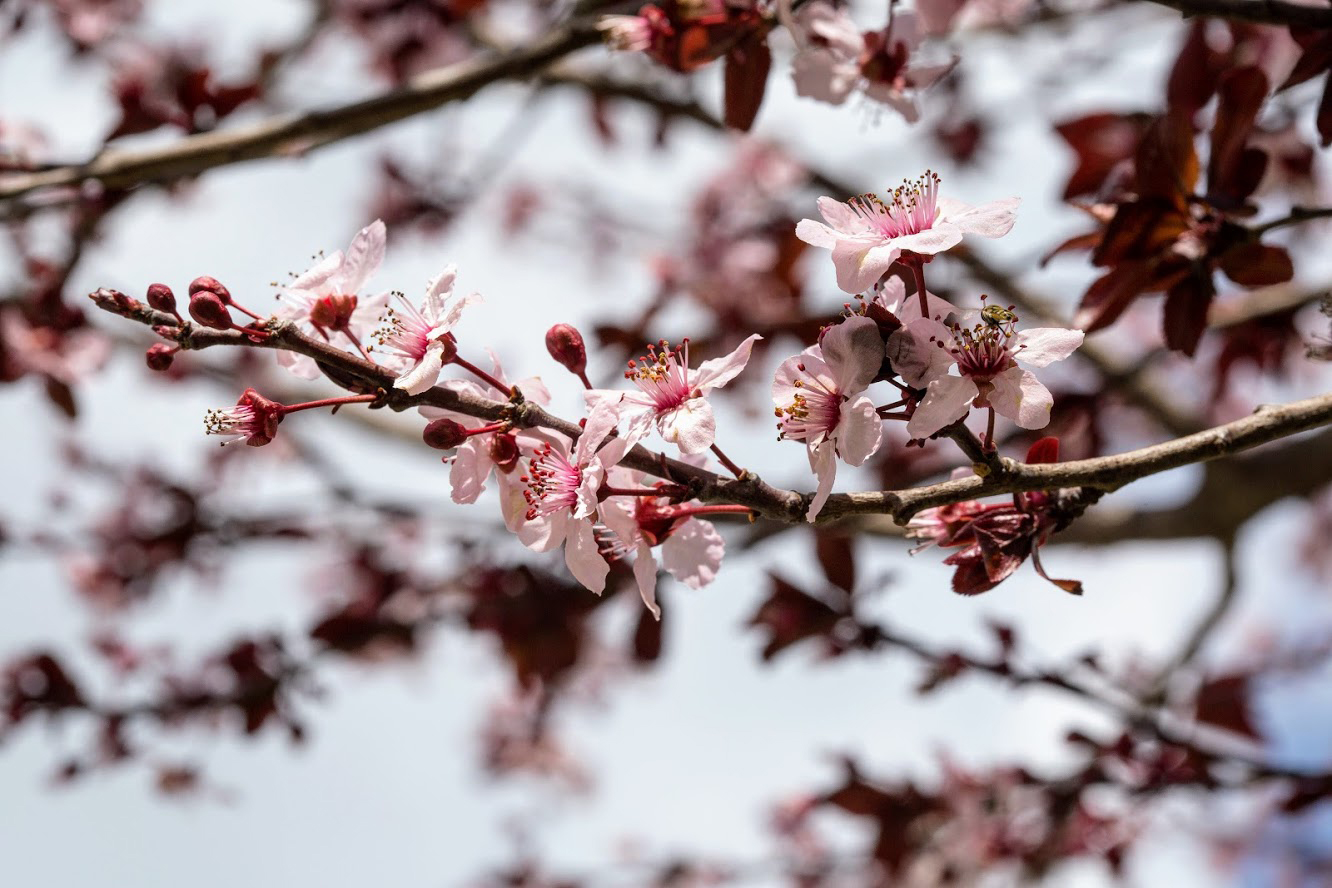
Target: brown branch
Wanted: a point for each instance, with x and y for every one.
(298, 134)
(1262, 12)
(1105, 474)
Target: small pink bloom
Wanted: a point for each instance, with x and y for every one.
(867, 235)
(253, 420)
(672, 396)
(691, 549)
(327, 298)
(414, 339)
(475, 459)
(559, 502)
(986, 350)
(819, 400)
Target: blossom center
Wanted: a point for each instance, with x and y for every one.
(985, 349)
(663, 375)
(334, 311)
(912, 207)
(404, 333)
(813, 412)
(552, 483)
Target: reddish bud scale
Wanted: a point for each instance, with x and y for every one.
(565, 345)
(207, 308)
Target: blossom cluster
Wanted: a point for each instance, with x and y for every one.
(562, 487)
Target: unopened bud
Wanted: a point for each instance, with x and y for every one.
(504, 452)
(207, 308)
(444, 434)
(161, 298)
(213, 285)
(159, 356)
(114, 300)
(565, 345)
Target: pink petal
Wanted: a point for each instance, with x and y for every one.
(691, 426)
(915, 358)
(854, 352)
(467, 476)
(693, 553)
(617, 513)
(645, 572)
(532, 387)
(816, 234)
(859, 431)
(583, 559)
(453, 314)
(542, 533)
(1021, 397)
(320, 272)
(440, 289)
(1042, 346)
(719, 371)
(942, 236)
(860, 262)
(363, 256)
(819, 74)
(788, 371)
(600, 422)
(425, 373)
(299, 365)
(947, 400)
(823, 460)
(842, 217)
(994, 219)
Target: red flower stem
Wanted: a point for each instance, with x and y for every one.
(258, 335)
(918, 270)
(582, 377)
(243, 310)
(726, 461)
(718, 509)
(989, 432)
(638, 491)
(329, 402)
(359, 347)
(481, 374)
(486, 429)
(883, 411)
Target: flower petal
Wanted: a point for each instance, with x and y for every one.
(993, 219)
(426, 372)
(947, 400)
(467, 475)
(583, 558)
(691, 426)
(942, 236)
(645, 572)
(363, 256)
(693, 553)
(719, 371)
(1042, 346)
(860, 262)
(915, 355)
(854, 352)
(1020, 396)
(318, 273)
(859, 431)
(823, 460)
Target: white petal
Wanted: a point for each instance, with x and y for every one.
(583, 559)
(426, 372)
(453, 314)
(932, 240)
(854, 352)
(471, 466)
(363, 256)
(914, 354)
(823, 459)
(947, 400)
(691, 426)
(788, 371)
(645, 572)
(318, 273)
(1043, 346)
(693, 553)
(994, 219)
(299, 365)
(860, 263)
(439, 290)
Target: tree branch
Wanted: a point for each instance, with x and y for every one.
(1262, 12)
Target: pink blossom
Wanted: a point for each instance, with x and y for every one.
(559, 501)
(673, 396)
(414, 339)
(627, 33)
(836, 59)
(253, 420)
(867, 235)
(327, 297)
(819, 399)
(478, 456)
(691, 549)
(986, 350)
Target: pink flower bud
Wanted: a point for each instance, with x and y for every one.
(159, 356)
(161, 298)
(207, 308)
(212, 284)
(565, 345)
(444, 434)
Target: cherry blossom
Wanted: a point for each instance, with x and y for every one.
(478, 456)
(418, 339)
(691, 548)
(671, 395)
(867, 235)
(253, 420)
(328, 299)
(836, 59)
(819, 400)
(558, 504)
(986, 350)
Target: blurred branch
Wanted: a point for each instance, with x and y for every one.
(1262, 12)
(297, 134)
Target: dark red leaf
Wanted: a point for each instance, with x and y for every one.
(62, 396)
(1186, 308)
(1257, 265)
(1046, 450)
(1102, 142)
(1191, 82)
(1224, 703)
(1111, 293)
(747, 66)
(837, 558)
(1316, 58)
(1167, 163)
(648, 635)
(1241, 95)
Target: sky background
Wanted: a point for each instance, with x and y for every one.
(690, 758)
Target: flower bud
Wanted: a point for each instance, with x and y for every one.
(161, 298)
(504, 452)
(159, 356)
(444, 434)
(207, 308)
(565, 345)
(115, 301)
(211, 284)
